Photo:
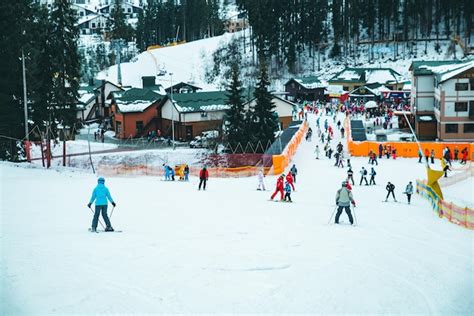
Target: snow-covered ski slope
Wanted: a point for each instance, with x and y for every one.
(228, 249)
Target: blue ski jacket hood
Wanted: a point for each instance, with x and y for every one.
(101, 194)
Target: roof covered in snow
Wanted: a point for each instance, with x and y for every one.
(311, 82)
(135, 99)
(208, 101)
(443, 70)
(367, 75)
(423, 67)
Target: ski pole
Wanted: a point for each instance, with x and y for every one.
(332, 215)
(112, 212)
(355, 217)
(98, 219)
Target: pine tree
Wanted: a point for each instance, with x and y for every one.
(119, 29)
(236, 131)
(65, 68)
(264, 118)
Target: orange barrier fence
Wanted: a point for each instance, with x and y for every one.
(280, 162)
(404, 149)
(124, 170)
(462, 216)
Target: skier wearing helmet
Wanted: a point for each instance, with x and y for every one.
(101, 196)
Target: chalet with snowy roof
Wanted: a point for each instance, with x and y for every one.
(353, 78)
(93, 24)
(183, 87)
(305, 88)
(194, 113)
(130, 9)
(443, 99)
(135, 112)
(368, 92)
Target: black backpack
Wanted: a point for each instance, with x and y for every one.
(365, 172)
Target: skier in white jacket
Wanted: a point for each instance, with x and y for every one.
(261, 184)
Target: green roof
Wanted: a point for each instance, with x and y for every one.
(136, 94)
(204, 101)
(420, 68)
(357, 75)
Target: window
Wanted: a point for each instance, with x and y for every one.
(345, 88)
(460, 106)
(129, 10)
(139, 127)
(93, 25)
(471, 109)
(81, 13)
(461, 87)
(469, 128)
(203, 114)
(451, 128)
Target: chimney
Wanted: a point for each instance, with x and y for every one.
(148, 81)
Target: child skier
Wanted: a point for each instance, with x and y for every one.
(409, 191)
(279, 187)
(288, 192)
(391, 190)
(289, 179)
(261, 184)
(100, 195)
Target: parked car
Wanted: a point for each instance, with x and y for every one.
(204, 140)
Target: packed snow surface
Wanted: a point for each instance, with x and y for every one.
(228, 249)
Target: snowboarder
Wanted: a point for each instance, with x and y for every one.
(288, 192)
(343, 200)
(317, 151)
(261, 184)
(101, 195)
(279, 187)
(409, 191)
(203, 176)
(363, 176)
(390, 189)
(350, 175)
(372, 176)
(294, 171)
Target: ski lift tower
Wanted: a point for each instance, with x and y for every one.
(117, 45)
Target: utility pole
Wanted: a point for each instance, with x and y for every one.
(172, 109)
(25, 101)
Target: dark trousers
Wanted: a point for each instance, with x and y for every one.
(201, 182)
(98, 210)
(419, 159)
(409, 197)
(372, 180)
(348, 212)
(350, 178)
(364, 179)
(294, 177)
(288, 195)
(432, 159)
(393, 194)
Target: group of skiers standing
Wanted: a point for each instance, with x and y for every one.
(284, 185)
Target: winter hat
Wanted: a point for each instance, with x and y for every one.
(101, 180)
(344, 183)
(282, 175)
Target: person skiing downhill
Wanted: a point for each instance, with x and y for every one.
(203, 177)
(344, 199)
(279, 187)
(101, 196)
(294, 172)
(409, 191)
(391, 190)
(350, 175)
(261, 184)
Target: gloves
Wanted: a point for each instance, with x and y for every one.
(89, 205)
(113, 204)
(354, 203)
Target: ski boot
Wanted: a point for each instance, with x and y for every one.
(109, 229)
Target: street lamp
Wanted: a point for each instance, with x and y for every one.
(172, 109)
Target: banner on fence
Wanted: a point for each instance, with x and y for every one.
(462, 216)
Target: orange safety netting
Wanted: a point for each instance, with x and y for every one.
(462, 216)
(280, 162)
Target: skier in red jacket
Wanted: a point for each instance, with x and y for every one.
(203, 176)
(289, 178)
(279, 187)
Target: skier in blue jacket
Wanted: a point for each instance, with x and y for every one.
(100, 195)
